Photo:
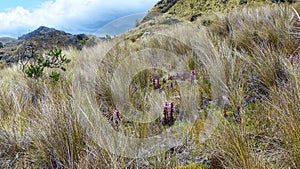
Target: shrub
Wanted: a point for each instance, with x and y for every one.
(55, 59)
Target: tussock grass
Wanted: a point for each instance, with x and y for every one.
(247, 69)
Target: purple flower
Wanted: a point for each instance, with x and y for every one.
(193, 75)
(154, 84)
(237, 115)
(158, 84)
(165, 113)
(168, 112)
(172, 77)
(172, 85)
(171, 117)
(172, 107)
(117, 116)
(166, 106)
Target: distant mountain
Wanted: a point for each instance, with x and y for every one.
(42, 39)
(46, 38)
(40, 31)
(7, 40)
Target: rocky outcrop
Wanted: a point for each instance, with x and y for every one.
(42, 39)
(46, 38)
(41, 31)
(159, 9)
(164, 5)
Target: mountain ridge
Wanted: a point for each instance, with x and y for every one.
(42, 39)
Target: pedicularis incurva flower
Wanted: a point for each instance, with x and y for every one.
(172, 111)
(168, 112)
(237, 115)
(158, 83)
(154, 84)
(193, 75)
(166, 107)
(117, 116)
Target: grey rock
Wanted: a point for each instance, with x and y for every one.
(14, 59)
(103, 108)
(81, 37)
(5, 57)
(39, 31)
(44, 44)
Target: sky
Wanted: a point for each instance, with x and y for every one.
(18, 17)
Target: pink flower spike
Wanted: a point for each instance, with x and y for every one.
(117, 116)
(172, 108)
(154, 85)
(158, 84)
(193, 75)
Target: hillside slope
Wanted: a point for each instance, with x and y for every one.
(191, 9)
(169, 93)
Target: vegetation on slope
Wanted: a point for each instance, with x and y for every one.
(247, 72)
(191, 9)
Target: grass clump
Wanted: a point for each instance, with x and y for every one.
(245, 67)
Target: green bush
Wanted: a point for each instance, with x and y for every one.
(34, 71)
(55, 59)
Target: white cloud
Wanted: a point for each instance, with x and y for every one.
(71, 16)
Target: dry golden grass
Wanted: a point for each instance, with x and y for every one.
(247, 59)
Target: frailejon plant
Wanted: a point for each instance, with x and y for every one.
(53, 60)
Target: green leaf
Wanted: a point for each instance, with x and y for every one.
(55, 76)
(46, 63)
(68, 61)
(34, 71)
